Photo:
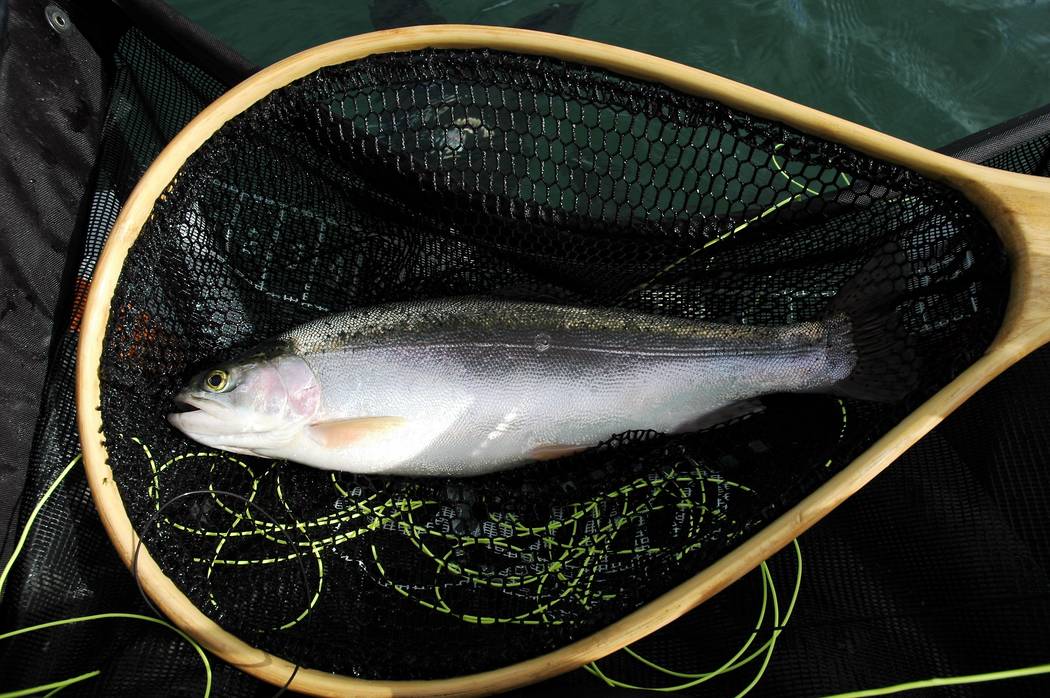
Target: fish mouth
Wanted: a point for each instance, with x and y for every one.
(182, 407)
(197, 416)
(212, 423)
(186, 402)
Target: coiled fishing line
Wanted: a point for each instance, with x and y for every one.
(262, 510)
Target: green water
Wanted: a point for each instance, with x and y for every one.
(928, 71)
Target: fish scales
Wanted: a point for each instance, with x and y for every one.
(472, 385)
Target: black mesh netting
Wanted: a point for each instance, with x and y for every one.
(442, 173)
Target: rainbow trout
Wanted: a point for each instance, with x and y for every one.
(467, 386)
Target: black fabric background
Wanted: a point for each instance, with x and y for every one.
(52, 93)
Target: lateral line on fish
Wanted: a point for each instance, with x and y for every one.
(718, 352)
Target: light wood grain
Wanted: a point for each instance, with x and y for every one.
(1017, 206)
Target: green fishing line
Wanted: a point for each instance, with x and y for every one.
(769, 598)
(767, 651)
(567, 575)
(51, 688)
(69, 682)
(107, 616)
(59, 685)
(732, 663)
(29, 522)
(778, 169)
(1036, 670)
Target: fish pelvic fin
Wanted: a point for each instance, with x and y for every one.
(864, 319)
(346, 432)
(554, 451)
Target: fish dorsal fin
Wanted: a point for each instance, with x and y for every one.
(344, 432)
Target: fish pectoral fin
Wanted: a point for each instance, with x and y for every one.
(553, 451)
(344, 432)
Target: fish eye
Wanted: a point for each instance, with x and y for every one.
(216, 380)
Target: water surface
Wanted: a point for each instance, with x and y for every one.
(928, 71)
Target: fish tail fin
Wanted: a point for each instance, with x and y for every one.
(886, 366)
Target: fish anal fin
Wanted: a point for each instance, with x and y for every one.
(553, 451)
(727, 413)
(345, 432)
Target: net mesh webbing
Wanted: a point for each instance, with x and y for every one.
(442, 173)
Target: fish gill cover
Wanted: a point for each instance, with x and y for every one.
(451, 172)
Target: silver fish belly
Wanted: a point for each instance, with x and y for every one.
(469, 386)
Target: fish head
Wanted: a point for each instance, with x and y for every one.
(258, 404)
